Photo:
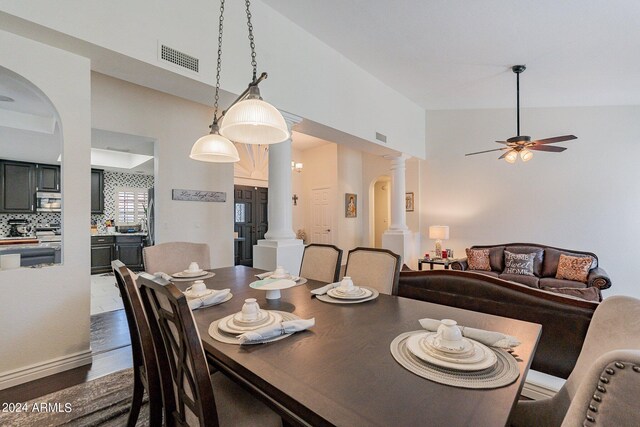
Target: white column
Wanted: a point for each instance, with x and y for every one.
(398, 190)
(398, 238)
(280, 246)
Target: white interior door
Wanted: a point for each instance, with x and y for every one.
(321, 210)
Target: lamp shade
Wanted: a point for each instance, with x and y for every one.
(214, 148)
(526, 155)
(254, 121)
(511, 157)
(439, 232)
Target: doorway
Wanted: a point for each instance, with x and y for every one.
(250, 221)
(321, 211)
(381, 209)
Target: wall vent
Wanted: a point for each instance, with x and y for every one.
(380, 137)
(178, 58)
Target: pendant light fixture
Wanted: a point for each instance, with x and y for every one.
(250, 120)
(215, 147)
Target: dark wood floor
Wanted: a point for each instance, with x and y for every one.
(111, 352)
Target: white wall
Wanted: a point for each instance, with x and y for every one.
(585, 198)
(175, 124)
(306, 77)
(349, 181)
(45, 312)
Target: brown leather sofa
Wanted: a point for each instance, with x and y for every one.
(564, 319)
(544, 269)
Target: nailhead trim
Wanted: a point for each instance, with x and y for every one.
(604, 380)
(597, 398)
(593, 408)
(619, 365)
(636, 368)
(601, 389)
(610, 371)
(591, 419)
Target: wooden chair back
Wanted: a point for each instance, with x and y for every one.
(173, 257)
(321, 262)
(377, 268)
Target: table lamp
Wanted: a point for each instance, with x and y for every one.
(439, 233)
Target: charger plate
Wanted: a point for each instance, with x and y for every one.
(329, 299)
(218, 335)
(504, 372)
(192, 279)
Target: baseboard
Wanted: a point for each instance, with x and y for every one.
(44, 369)
(539, 385)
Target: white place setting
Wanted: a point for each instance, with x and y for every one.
(199, 296)
(345, 292)
(274, 281)
(193, 272)
(459, 356)
(253, 325)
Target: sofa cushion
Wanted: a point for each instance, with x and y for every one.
(552, 282)
(518, 263)
(537, 261)
(573, 268)
(590, 294)
(478, 259)
(531, 281)
(487, 273)
(496, 258)
(552, 257)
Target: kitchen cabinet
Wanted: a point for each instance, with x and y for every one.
(97, 191)
(102, 253)
(47, 178)
(17, 187)
(127, 249)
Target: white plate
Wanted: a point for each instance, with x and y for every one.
(472, 356)
(467, 346)
(190, 275)
(489, 357)
(189, 293)
(227, 325)
(262, 316)
(365, 293)
(327, 298)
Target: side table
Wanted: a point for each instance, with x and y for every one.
(439, 261)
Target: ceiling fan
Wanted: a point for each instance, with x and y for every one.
(522, 144)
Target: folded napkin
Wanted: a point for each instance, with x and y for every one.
(165, 276)
(264, 275)
(490, 338)
(272, 331)
(323, 290)
(213, 298)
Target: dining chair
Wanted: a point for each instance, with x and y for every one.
(192, 397)
(172, 257)
(377, 268)
(604, 384)
(145, 364)
(321, 262)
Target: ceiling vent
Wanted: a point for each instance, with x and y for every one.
(380, 137)
(178, 58)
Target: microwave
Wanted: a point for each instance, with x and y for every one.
(48, 202)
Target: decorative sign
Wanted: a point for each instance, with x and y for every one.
(199, 196)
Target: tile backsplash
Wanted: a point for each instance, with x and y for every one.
(112, 180)
(38, 218)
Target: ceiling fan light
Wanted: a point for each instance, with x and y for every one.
(511, 157)
(254, 121)
(526, 155)
(214, 148)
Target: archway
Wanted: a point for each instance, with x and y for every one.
(379, 209)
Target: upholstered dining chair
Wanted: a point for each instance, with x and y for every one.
(605, 382)
(172, 257)
(192, 397)
(377, 268)
(145, 365)
(321, 262)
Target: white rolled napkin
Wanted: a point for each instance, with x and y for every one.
(272, 331)
(262, 276)
(165, 276)
(213, 298)
(323, 290)
(490, 338)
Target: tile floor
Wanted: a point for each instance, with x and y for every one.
(104, 294)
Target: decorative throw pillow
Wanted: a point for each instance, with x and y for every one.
(521, 264)
(573, 268)
(478, 259)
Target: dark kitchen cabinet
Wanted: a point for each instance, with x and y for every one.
(97, 191)
(17, 187)
(102, 253)
(129, 251)
(48, 178)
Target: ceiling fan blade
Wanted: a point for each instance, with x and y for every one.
(504, 155)
(502, 142)
(555, 139)
(550, 148)
(486, 151)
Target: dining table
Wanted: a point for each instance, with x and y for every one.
(341, 371)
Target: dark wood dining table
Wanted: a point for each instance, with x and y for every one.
(341, 371)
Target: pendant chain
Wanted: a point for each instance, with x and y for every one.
(254, 64)
(219, 65)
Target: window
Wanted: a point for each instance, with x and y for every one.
(239, 212)
(131, 204)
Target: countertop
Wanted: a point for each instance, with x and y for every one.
(41, 245)
(142, 233)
